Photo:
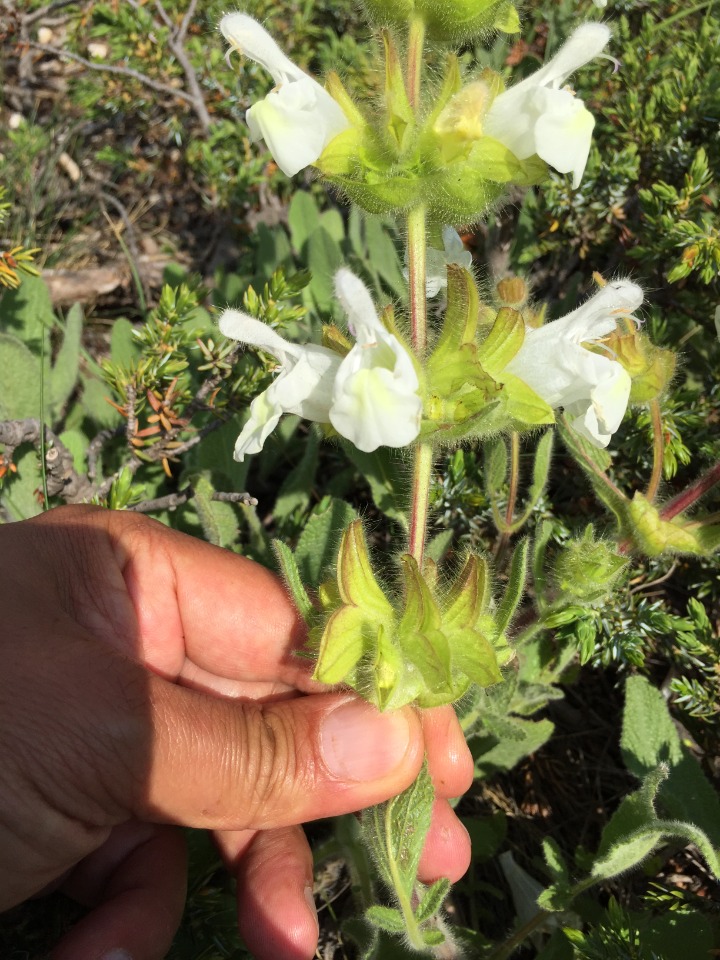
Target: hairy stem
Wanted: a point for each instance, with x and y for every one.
(416, 39)
(686, 499)
(658, 450)
(422, 473)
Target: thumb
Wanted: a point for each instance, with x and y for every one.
(228, 765)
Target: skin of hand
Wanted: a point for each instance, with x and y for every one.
(150, 680)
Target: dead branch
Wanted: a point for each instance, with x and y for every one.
(198, 104)
(174, 500)
(62, 478)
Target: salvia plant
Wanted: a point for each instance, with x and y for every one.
(448, 397)
(438, 153)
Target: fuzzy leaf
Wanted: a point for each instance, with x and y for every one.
(317, 546)
(293, 581)
(64, 373)
(515, 586)
(386, 918)
(432, 900)
(395, 833)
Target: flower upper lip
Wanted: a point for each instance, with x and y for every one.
(298, 118)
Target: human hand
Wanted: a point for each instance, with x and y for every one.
(149, 679)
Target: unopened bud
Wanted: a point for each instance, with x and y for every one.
(512, 292)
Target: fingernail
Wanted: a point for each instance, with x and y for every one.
(359, 743)
(310, 899)
(116, 954)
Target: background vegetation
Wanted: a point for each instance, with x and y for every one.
(126, 161)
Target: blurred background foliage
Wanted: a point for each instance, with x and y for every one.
(116, 148)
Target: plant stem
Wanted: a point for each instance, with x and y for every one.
(658, 450)
(416, 39)
(420, 503)
(412, 931)
(422, 472)
(685, 500)
(417, 243)
(514, 476)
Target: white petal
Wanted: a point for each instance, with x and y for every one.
(239, 326)
(306, 387)
(251, 39)
(371, 408)
(455, 251)
(264, 417)
(583, 45)
(357, 303)
(290, 126)
(563, 133)
(598, 316)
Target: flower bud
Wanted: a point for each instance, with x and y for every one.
(447, 20)
(512, 292)
(587, 569)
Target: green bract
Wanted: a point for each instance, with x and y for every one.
(448, 20)
(427, 648)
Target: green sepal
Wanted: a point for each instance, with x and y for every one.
(339, 93)
(523, 405)
(507, 19)
(492, 160)
(653, 535)
(460, 321)
(355, 577)
(400, 114)
(502, 342)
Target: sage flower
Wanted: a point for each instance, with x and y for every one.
(376, 400)
(298, 118)
(370, 396)
(564, 363)
(437, 261)
(542, 116)
(303, 384)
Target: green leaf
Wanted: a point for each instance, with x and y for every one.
(515, 587)
(291, 576)
(64, 373)
(27, 312)
(555, 861)
(498, 756)
(649, 736)
(384, 471)
(303, 219)
(496, 465)
(324, 259)
(541, 469)
(395, 833)
(432, 900)
(386, 918)
(19, 380)
(124, 348)
(294, 493)
(319, 541)
(21, 495)
(218, 520)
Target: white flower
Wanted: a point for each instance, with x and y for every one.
(298, 118)
(376, 400)
(541, 116)
(370, 396)
(438, 260)
(303, 385)
(593, 388)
